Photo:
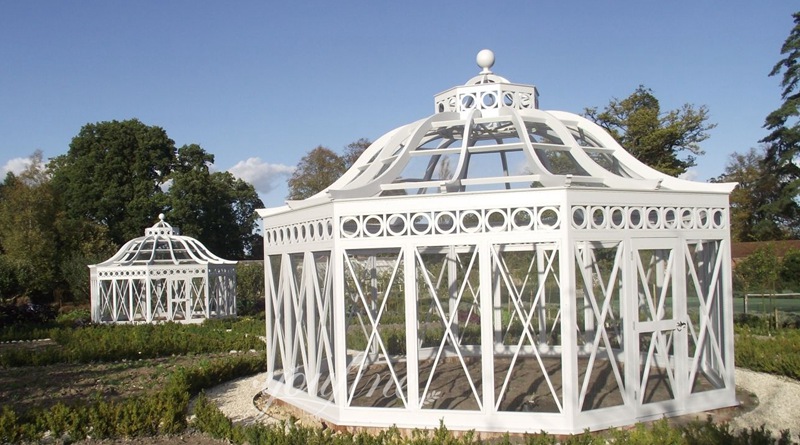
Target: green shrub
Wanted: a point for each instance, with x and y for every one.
(163, 413)
(104, 343)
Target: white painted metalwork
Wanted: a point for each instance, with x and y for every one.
(501, 268)
(162, 276)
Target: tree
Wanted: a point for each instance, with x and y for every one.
(43, 254)
(28, 240)
(655, 138)
(215, 208)
(113, 174)
(321, 167)
(784, 139)
(318, 169)
(354, 150)
(756, 185)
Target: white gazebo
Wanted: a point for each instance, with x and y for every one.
(163, 276)
(500, 268)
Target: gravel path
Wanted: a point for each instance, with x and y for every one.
(778, 401)
(235, 398)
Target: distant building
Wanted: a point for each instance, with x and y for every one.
(163, 276)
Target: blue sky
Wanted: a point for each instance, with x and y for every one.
(260, 83)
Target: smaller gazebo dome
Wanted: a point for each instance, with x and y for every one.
(163, 276)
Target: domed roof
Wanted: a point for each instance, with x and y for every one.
(163, 245)
(490, 135)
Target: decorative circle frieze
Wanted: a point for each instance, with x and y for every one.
(350, 227)
(635, 220)
(445, 222)
(373, 226)
(522, 219)
(397, 225)
(548, 218)
(599, 219)
(470, 221)
(496, 220)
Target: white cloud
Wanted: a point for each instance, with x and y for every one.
(16, 166)
(690, 175)
(262, 175)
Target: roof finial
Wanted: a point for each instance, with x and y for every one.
(485, 60)
(161, 216)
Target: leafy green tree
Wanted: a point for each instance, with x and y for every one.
(756, 184)
(790, 270)
(249, 287)
(782, 209)
(758, 271)
(317, 170)
(214, 207)
(28, 239)
(113, 175)
(354, 150)
(655, 138)
(43, 255)
(321, 167)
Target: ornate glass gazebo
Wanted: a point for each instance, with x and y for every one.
(162, 276)
(500, 268)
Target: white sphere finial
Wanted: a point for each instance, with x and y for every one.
(485, 60)
(161, 216)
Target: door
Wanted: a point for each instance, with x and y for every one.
(658, 346)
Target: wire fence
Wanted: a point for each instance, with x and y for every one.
(766, 303)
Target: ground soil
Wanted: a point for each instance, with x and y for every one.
(29, 387)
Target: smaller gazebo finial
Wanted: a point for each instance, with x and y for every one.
(161, 217)
(485, 60)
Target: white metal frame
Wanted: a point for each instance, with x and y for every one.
(426, 280)
(162, 276)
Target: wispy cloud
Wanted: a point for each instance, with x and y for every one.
(690, 175)
(16, 166)
(262, 175)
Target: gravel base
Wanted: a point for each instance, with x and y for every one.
(235, 399)
(778, 402)
(778, 398)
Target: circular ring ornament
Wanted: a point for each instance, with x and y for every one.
(702, 218)
(718, 218)
(470, 221)
(669, 216)
(350, 227)
(617, 218)
(653, 217)
(421, 223)
(599, 218)
(635, 220)
(686, 218)
(373, 226)
(522, 219)
(548, 218)
(445, 222)
(467, 101)
(579, 220)
(396, 224)
(489, 100)
(496, 220)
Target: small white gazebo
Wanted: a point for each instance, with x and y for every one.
(499, 267)
(163, 276)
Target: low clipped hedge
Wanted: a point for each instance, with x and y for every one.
(108, 343)
(162, 413)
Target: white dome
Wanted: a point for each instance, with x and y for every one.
(490, 135)
(163, 245)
